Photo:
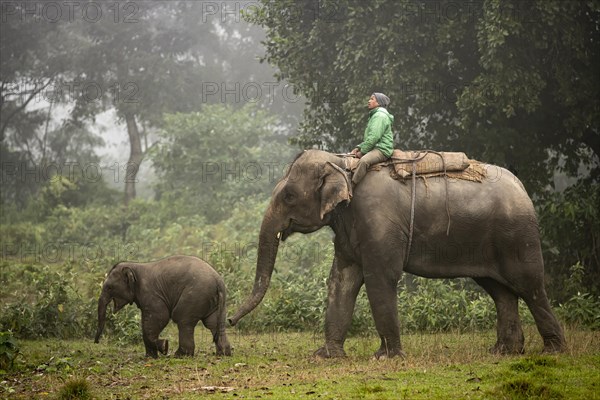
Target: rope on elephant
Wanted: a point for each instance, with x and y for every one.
(412, 211)
(416, 158)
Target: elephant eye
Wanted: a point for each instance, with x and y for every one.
(289, 197)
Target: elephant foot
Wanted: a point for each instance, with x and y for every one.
(329, 351)
(505, 349)
(163, 346)
(554, 345)
(184, 353)
(224, 350)
(384, 354)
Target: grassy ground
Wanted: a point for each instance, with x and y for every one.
(280, 366)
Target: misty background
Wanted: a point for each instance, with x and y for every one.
(141, 129)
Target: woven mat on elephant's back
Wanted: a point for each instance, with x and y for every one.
(475, 172)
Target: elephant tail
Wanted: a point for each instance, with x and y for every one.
(220, 336)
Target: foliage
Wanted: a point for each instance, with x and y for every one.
(53, 312)
(9, 350)
(440, 305)
(509, 82)
(138, 60)
(209, 161)
(123, 327)
(75, 389)
(54, 303)
(582, 309)
(570, 223)
(433, 304)
(459, 75)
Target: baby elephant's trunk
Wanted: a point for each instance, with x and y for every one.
(102, 304)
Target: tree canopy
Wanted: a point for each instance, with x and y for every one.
(510, 82)
(209, 161)
(62, 67)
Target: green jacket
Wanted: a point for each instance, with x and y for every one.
(378, 134)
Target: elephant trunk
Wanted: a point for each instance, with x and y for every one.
(268, 243)
(103, 302)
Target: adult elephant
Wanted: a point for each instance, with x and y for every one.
(493, 237)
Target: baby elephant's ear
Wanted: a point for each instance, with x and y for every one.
(129, 278)
(335, 188)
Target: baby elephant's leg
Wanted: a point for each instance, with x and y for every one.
(186, 338)
(153, 323)
(219, 335)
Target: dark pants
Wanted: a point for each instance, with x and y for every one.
(373, 157)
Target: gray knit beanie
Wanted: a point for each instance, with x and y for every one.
(382, 99)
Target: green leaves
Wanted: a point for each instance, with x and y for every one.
(570, 224)
(9, 350)
(485, 77)
(209, 161)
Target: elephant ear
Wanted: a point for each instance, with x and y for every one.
(335, 187)
(130, 278)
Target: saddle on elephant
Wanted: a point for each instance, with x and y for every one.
(427, 164)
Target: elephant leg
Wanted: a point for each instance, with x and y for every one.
(383, 298)
(186, 338)
(345, 281)
(510, 337)
(152, 325)
(219, 338)
(547, 323)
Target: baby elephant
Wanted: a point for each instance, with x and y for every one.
(182, 288)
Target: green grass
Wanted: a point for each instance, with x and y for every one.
(280, 366)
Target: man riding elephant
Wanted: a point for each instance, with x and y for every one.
(378, 142)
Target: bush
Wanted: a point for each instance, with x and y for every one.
(582, 309)
(75, 389)
(50, 305)
(52, 308)
(570, 225)
(296, 301)
(9, 351)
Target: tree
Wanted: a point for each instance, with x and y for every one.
(141, 59)
(33, 63)
(511, 82)
(210, 161)
(145, 62)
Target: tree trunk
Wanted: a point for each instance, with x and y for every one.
(135, 157)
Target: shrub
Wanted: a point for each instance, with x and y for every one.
(51, 308)
(75, 389)
(50, 305)
(437, 305)
(9, 351)
(582, 309)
